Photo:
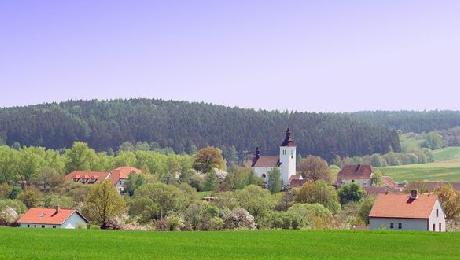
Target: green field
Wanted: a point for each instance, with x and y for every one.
(18, 243)
(445, 168)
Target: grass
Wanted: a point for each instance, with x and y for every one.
(437, 171)
(446, 154)
(16, 243)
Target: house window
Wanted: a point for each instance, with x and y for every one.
(28, 225)
(352, 180)
(54, 226)
(399, 225)
(437, 212)
(391, 225)
(434, 227)
(43, 226)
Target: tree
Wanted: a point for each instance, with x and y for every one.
(450, 200)
(134, 182)
(79, 158)
(31, 197)
(365, 209)
(48, 179)
(256, 200)
(208, 158)
(350, 193)
(314, 168)
(376, 179)
(318, 192)
(311, 216)
(433, 141)
(211, 182)
(274, 180)
(154, 201)
(104, 204)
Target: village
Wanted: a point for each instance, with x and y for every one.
(396, 206)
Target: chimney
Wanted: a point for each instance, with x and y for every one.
(413, 194)
(257, 153)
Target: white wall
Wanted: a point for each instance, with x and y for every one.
(288, 159)
(407, 224)
(260, 171)
(437, 218)
(75, 221)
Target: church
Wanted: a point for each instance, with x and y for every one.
(285, 161)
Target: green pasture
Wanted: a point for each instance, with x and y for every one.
(18, 243)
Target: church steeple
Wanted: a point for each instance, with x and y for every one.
(288, 141)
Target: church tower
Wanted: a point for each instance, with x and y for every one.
(288, 158)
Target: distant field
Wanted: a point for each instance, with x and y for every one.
(93, 244)
(437, 171)
(447, 153)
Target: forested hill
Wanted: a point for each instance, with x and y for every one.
(412, 121)
(185, 126)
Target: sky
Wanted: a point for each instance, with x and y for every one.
(287, 54)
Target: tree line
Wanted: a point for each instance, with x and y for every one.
(185, 127)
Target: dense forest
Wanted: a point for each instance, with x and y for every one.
(185, 126)
(412, 121)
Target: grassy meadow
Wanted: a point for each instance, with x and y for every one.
(18, 243)
(446, 167)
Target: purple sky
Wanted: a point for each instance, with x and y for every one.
(297, 55)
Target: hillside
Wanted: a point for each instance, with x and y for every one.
(185, 126)
(89, 244)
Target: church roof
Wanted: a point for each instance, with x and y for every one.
(288, 141)
(266, 161)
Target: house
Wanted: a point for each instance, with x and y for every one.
(285, 161)
(407, 212)
(360, 174)
(117, 176)
(52, 218)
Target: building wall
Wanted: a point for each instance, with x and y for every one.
(407, 224)
(75, 221)
(360, 182)
(288, 159)
(438, 218)
(261, 171)
(38, 226)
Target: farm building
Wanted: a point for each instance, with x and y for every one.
(407, 212)
(52, 218)
(117, 176)
(285, 161)
(360, 174)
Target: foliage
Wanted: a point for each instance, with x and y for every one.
(31, 197)
(318, 192)
(310, 216)
(103, 204)
(211, 182)
(377, 178)
(183, 126)
(274, 181)
(350, 193)
(256, 200)
(240, 177)
(450, 201)
(239, 218)
(433, 141)
(154, 201)
(208, 158)
(314, 168)
(365, 209)
(202, 216)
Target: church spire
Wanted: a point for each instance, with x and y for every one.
(288, 141)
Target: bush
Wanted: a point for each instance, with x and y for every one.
(310, 216)
(239, 218)
(350, 193)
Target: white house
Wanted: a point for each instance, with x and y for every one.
(285, 161)
(360, 174)
(52, 218)
(407, 212)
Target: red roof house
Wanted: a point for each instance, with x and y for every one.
(360, 174)
(407, 212)
(52, 218)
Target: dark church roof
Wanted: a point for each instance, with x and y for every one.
(288, 141)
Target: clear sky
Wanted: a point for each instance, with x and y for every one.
(297, 55)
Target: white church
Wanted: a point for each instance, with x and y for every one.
(286, 161)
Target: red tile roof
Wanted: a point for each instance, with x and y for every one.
(267, 161)
(394, 205)
(124, 172)
(99, 176)
(46, 216)
(389, 182)
(359, 171)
